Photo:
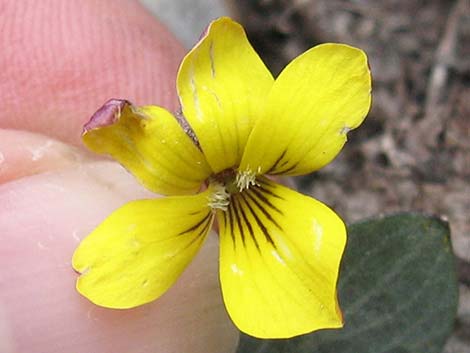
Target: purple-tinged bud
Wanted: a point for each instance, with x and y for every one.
(107, 115)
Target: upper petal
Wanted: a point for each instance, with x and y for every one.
(150, 143)
(139, 251)
(222, 84)
(279, 258)
(316, 100)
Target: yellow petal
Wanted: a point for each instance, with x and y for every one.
(279, 257)
(139, 251)
(150, 143)
(316, 100)
(222, 84)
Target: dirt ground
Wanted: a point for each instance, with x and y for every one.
(413, 151)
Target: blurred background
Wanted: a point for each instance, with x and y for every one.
(413, 151)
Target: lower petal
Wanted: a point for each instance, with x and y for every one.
(139, 251)
(280, 256)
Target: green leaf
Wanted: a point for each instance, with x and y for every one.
(398, 292)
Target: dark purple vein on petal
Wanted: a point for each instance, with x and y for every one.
(199, 237)
(192, 241)
(247, 222)
(236, 206)
(229, 218)
(286, 170)
(264, 186)
(206, 227)
(261, 225)
(275, 165)
(262, 198)
(249, 194)
(197, 225)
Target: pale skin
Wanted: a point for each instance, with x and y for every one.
(60, 61)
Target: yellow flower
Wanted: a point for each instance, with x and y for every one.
(279, 250)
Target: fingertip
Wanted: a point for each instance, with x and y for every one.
(61, 60)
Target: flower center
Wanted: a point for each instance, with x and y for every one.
(227, 183)
(245, 179)
(220, 198)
